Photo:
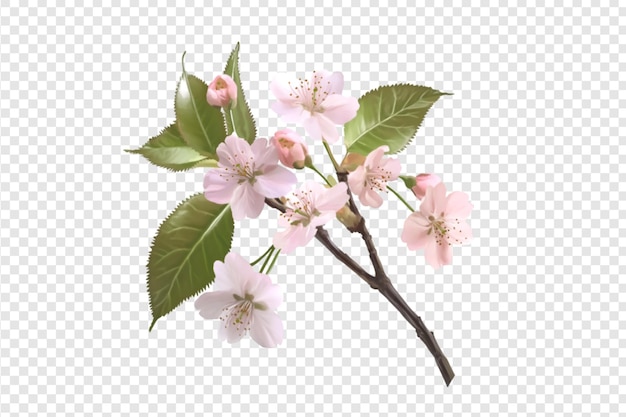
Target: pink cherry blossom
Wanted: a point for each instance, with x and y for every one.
(245, 175)
(439, 224)
(422, 182)
(311, 206)
(292, 151)
(222, 91)
(316, 103)
(244, 301)
(370, 178)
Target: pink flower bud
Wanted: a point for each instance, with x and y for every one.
(292, 150)
(422, 182)
(222, 91)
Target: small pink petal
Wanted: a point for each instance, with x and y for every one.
(458, 205)
(290, 113)
(312, 126)
(267, 329)
(340, 109)
(246, 202)
(211, 304)
(334, 82)
(415, 231)
(276, 182)
(266, 293)
(238, 272)
(328, 128)
(393, 166)
(217, 188)
(459, 232)
(434, 201)
(357, 179)
(373, 158)
(332, 199)
(291, 238)
(370, 198)
(281, 88)
(437, 254)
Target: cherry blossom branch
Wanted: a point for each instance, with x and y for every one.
(386, 288)
(382, 283)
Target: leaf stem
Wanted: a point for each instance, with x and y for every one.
(230, 121)
(401, 199)
(262, 256)
(330, 154)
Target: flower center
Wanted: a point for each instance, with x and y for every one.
(440, 228)
(377, 178)
(301, 210)
(239, 316)
(310, 94)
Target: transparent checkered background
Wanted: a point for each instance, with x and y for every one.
(529, 313)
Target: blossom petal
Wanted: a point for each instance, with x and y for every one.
(415, 231)
(276, 182)
(267, 328)
(328, 128)
(246, 202)
(219, 186)
(458, 205)
(334, 81)
(281, 88)
(263, 154)
(373, 158)
(370, 198)
(332, 199)
(459, 232)
(233, 150)
(211, 304)
(312, 126)
(356, 179)
(291, 238)
(340, 109)
(434, 201)
(222, 277)
(267, 293)
(240, 271)
(393, 166)
(437, 253)
(290, 113)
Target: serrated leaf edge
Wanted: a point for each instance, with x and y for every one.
(440, 93)
(154, 320)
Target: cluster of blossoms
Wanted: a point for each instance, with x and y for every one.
(243, 299)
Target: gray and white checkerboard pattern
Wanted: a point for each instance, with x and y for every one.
(529, 314)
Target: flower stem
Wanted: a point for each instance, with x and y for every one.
(320, 174)
(269, 268)
(263, 256)
(330, 154)
(267, 258)
(401, 199)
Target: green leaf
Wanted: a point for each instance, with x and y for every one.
(242, 117)
(389, 115)
(189, 241)
(169, 150)
(200, 124)
(408, 181)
